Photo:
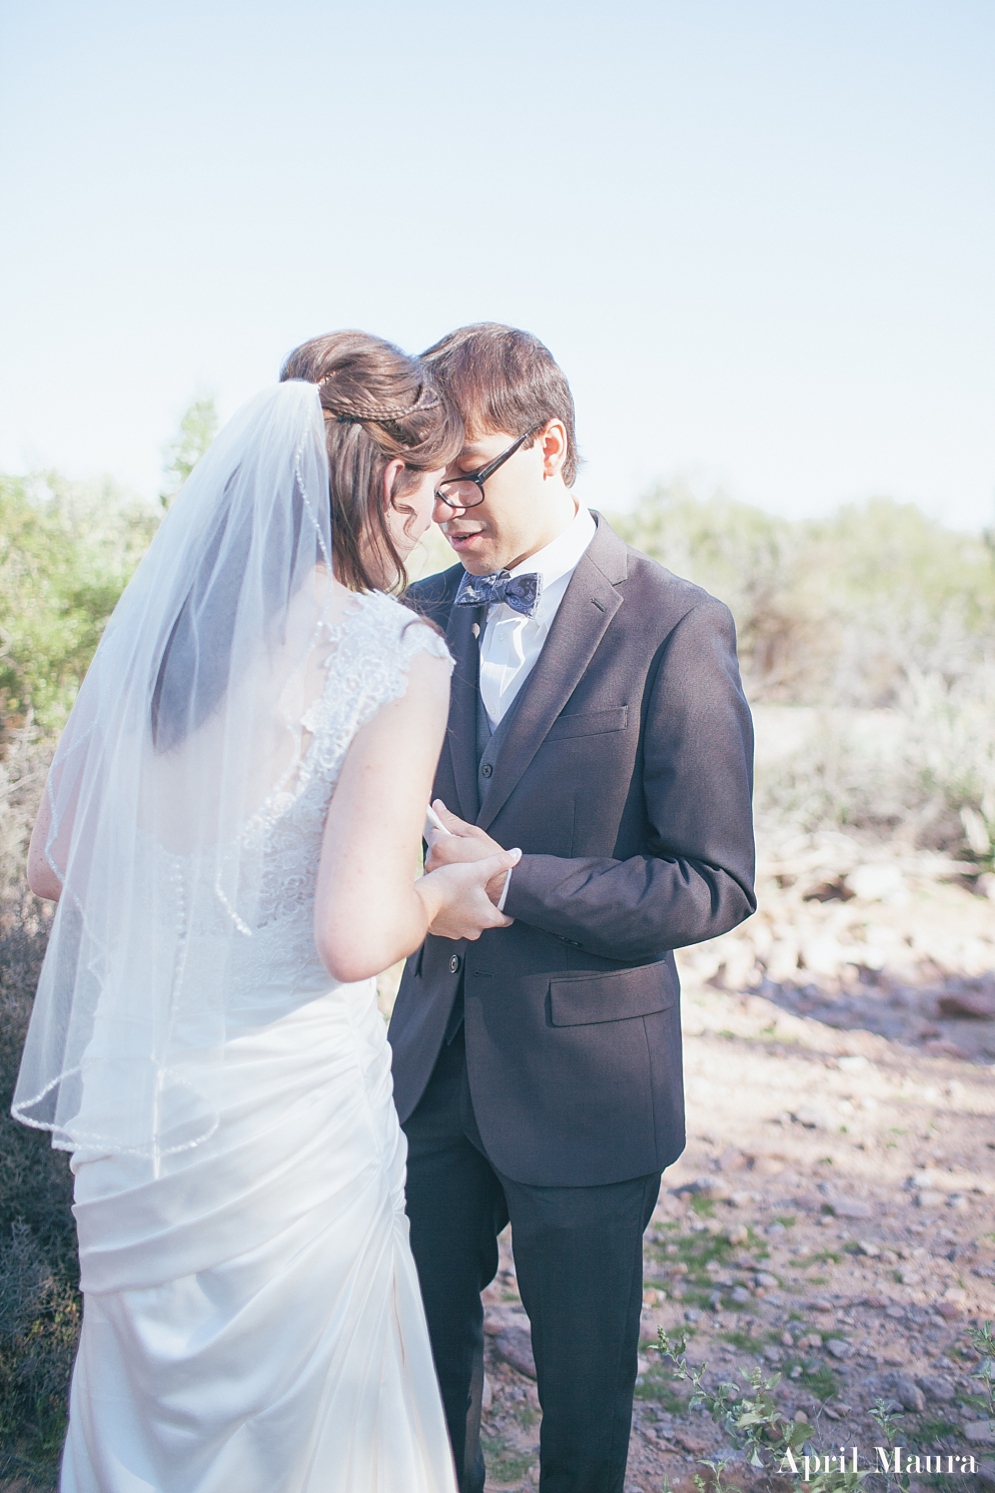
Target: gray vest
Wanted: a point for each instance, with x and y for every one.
(490, 742)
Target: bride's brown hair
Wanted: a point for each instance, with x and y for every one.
(380, 404)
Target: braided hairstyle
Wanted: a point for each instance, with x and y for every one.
(379, 405)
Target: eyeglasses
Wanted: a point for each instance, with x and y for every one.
(467, 491)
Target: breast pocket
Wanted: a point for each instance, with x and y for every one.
(589, 723)
(587, 999)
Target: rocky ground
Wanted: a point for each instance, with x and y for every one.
(833, 1216)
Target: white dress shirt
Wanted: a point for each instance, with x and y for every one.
(510, 643)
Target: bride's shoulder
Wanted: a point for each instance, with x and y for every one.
(403, 627)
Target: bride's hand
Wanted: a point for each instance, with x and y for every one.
(456, 897)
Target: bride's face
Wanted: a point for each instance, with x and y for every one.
(409, 511)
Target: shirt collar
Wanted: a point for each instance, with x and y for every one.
(560, 556)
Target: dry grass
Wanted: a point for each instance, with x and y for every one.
(39, 1300)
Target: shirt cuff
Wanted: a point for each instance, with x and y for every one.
(504, 895)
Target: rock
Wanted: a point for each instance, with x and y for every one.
(692, 1314)
(765, 1279)
(929, 1199)
(487, 1395)
(840, 1348)
(907, 1392)
(866, 1247)
(979, 1433)
(852, 1063)
(949, 1311)
(812, 1119)
(514, 1345)
(878, 883)
(706, 1187)
(496, 1322)
(955, 1294)
(979, 1003)
(938, 1387)
(695, 1445)
(849, 1208)
(740, 1295)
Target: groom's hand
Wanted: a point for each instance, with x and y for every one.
(464, 842)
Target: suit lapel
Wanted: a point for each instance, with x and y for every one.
(589, 605)
(461, 733)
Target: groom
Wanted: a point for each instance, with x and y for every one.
(598, 722)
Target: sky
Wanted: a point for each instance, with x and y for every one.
(758, 235)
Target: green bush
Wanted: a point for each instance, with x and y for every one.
(66, 553)
(881, 623)
(843, 611)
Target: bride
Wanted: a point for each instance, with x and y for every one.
(231, 830)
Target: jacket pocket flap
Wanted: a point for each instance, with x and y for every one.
(589, 723)
(584, 1000)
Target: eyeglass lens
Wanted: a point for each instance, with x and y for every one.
(461, 494)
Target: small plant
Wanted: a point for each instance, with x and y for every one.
(773, 1444)
(885, 1416)
(982, 1340)
(505, 1464)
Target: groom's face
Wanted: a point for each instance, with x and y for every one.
(521, 508)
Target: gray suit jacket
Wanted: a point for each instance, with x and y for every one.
(625, 776)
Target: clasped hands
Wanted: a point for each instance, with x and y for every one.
(466, 844)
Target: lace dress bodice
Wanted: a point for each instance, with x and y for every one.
(366, 666)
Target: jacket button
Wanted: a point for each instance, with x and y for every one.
(486, 770)
(454, 965)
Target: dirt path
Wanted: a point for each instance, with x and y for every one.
(833, 1218)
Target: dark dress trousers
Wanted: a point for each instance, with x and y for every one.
(537, 1071)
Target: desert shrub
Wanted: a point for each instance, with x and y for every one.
(66, 552)
(880, 623)
(922, 770)
(843, 611)
(39, 1329)
(196, 431)
(39, 1299)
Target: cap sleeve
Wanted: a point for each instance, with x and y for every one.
(418, 636)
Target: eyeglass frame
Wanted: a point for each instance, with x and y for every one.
(480, 476)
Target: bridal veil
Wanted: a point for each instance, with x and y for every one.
(189, 725)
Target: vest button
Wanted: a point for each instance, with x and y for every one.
(454, 965)
(486, 770)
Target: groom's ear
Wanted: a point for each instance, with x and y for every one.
(552, 441)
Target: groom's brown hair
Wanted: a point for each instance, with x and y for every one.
(501, 378)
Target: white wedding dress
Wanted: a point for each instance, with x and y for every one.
(252, 1318)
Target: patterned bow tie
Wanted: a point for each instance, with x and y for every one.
(520, 592)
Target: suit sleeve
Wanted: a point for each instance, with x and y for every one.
(695, 880)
